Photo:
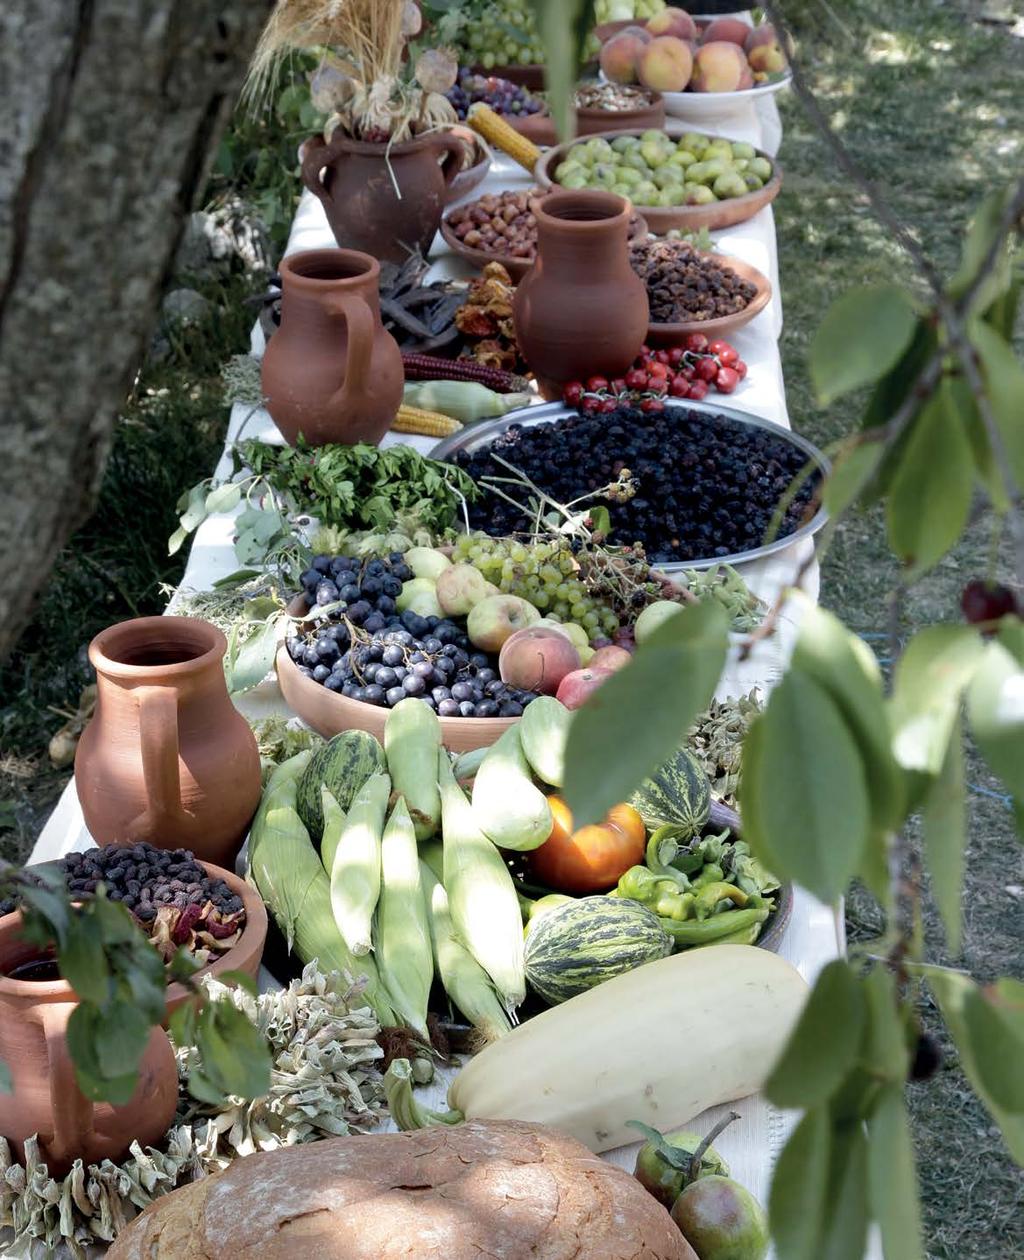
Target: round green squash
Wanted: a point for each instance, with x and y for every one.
(678, 793)
(575, 946)
(343, 765)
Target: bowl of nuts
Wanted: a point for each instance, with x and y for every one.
(501, 227)
(689, 290)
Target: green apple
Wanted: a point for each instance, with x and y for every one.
(653, 616)
(760, 166)
(741, 149)
(682, 157)
(730, 185)
(425, 562)
(418, 589)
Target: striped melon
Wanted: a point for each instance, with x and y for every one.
(577, 945)
(677, 793)
(342, 765)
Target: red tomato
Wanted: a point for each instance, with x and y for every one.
(679, 387)
(658, 385)
(618, 386)
(698, 390)
(636, 378)
(588, 859)
(697, 342)
(675, 356)
(572, 394)
(706, 369)
(726, 380)
(740, 368)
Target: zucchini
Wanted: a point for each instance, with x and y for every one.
(507, 807)
(543, 732)
(586, 941)
(412, 737)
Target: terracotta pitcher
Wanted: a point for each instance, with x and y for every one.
(580, 310)
(331, 372)
(384, 199)
(46, 1099)
(167, 758)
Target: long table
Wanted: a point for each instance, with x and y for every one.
(815, 934)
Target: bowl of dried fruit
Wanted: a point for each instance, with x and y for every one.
(690, 290)
(500, 227)
(178, 901)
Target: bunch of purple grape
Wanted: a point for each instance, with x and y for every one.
(501, 95)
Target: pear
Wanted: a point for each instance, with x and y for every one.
(721, 1220)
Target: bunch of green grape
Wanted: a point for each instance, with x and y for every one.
(543, 573)
(503, 34)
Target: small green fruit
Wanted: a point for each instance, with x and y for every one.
(652, 617)
(425, 562)
(721, 1220)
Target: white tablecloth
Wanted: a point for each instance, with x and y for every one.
(815, 934)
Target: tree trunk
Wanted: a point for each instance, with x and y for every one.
(111, 110)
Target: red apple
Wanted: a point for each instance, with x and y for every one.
(537, 659)
(577, 687)
(610, 658)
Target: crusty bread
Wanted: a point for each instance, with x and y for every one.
(481, 1189)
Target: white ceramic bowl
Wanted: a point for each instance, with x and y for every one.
(713, 107)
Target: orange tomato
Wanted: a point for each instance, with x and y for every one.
(588, 859)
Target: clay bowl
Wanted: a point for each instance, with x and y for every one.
(328, 712)
(516, 267)
(243, 956)
(472, 176)
(530, 77)
(540, 128)
(663, 335)
(719, 214)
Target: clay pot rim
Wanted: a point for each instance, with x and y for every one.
(255, 927)
(319, 284)
(380, 148)
(621, 208)
(100, 647)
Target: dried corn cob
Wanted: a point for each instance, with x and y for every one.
(429, 423)
(495, 130)
(429, 367)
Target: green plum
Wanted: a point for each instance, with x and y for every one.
(700, 196)
(622, 190)
(752, 181)
(629, 176)
(666, 175)
(565, 169)
(635, 159)
(644, 193)
(656, 137)
(719, 148)
(729, 185)
(660, 1177)
(676, 195)
(576, 180)
(694, 141)
(623, 144)
(740, 164)
(653, 152)
(605, 174)
(682, 157)
(741, 149)
(721, 1220)
(760, 166)
(600, 150)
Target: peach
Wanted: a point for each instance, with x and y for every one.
(620, 55)
(747, 81)
(537, 659)
(576, 688)
(719, 67)
(764, 52)
(666, 64)
(729, 30)
(672, 21)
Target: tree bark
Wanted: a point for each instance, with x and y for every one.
(111, 111)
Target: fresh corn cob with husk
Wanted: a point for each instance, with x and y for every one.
(402, 931)
(292, 881)
(334, 825)
(495, 130)
(429, 423)
(464, 980)
(462, 400)
(481, 894)
(355, 873)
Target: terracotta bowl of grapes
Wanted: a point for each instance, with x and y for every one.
(329, 712)
(665, 335)
(517, 267)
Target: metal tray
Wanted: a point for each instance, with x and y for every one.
(477, 435)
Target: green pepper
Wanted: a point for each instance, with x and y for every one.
(664, 896)
(743, 936)
(711, 874)
(677, 906)
(711, 894)
(703, 932)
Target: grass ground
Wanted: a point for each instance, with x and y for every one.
(926, 93)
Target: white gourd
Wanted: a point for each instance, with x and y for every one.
(660, 1044)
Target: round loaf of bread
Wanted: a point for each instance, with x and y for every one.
(480, 1189)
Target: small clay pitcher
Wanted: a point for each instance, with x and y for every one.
(384, 199)
(46, 1099)
(167, 758)
(331, 372)
(581, 310)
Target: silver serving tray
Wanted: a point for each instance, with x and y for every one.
(477, 435)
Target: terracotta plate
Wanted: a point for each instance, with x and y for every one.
(674, 334)
(719, 214)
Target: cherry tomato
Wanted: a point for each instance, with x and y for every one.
(696, 342)
(698, 390)
(706, 369)
(652, 404)
(572, 394)
(728, 356)
(719, 347)
(595, 384)
(636, 378)
(679, 387)
(726, 380)
(687, 373)
(740, 368)
(658, 385)
(589, 403)
(645, 350)
(658, 369)
(607, 404)
(675, 355)
(618, 386)
(662, 356)
(588, 859)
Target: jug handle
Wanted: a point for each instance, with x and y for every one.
(361, 328)
(316, 155)
(73, 1113)
(455, 151)
(158, 729)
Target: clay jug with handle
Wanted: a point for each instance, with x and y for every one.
(386, 199)
(167, 758)
(581, 310)
(45, 1099)
(331, 372)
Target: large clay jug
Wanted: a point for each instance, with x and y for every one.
(167, 758)
(581, 310)
(384, 199)
(46, 1099)
(331, 372)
